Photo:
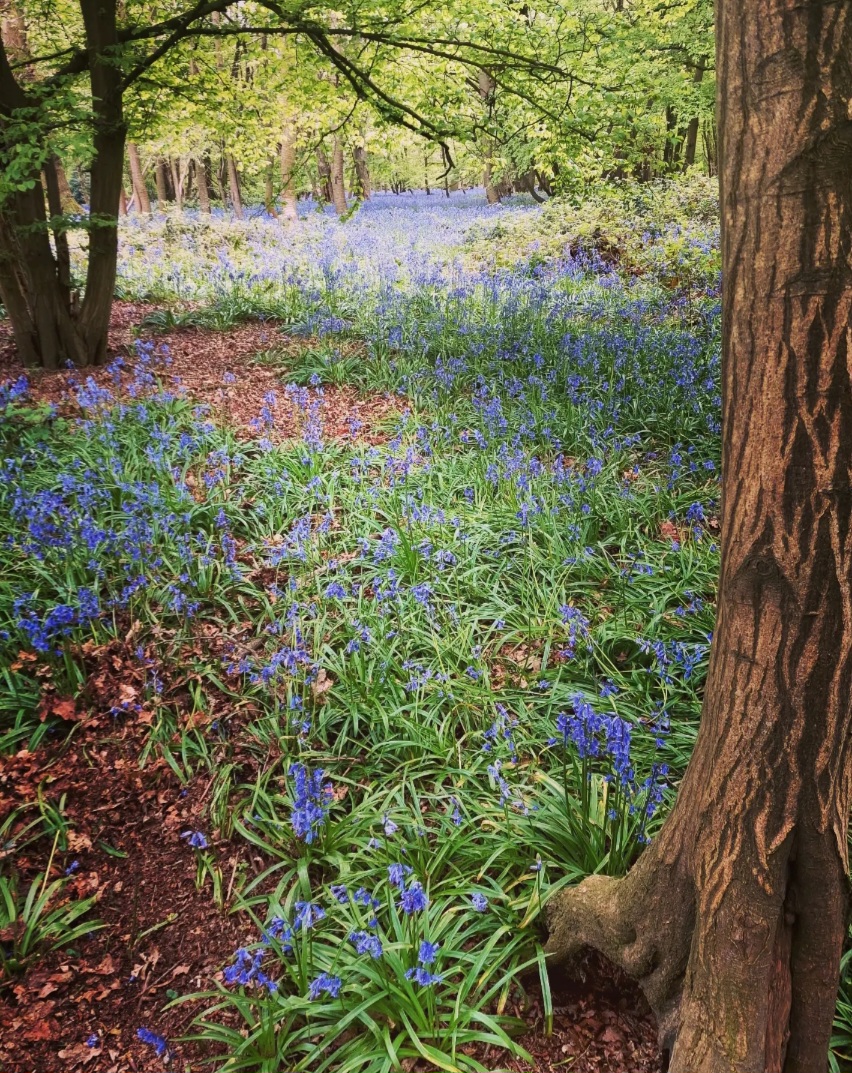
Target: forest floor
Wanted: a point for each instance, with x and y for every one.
(162, 935)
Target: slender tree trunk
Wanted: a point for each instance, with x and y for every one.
(734, 919)
(491, 192)
(289, 202)
(362, 171)
(122, 203)
(269, 193)
(220, 181)
(137, 177)
(692, 129)
(56, 208)
(338, 190)
(201, 178)
(324, 173)
(234, 186)
(177, 182)
(162, 184)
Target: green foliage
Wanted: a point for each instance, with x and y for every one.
(41, 917)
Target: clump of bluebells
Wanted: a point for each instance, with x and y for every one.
(613, 807)
(312, 798)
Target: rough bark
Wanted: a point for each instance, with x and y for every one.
(338, 190)
(733, 921)
(110, 131)
(137, 177)
(234, 187)
(289, 209)
(50, 328)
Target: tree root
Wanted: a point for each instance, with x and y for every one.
(643, 924)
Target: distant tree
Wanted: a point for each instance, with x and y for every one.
(734, 919)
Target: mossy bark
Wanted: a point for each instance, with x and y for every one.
(734, 920)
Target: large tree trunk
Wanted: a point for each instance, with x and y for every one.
(137, 177)
(107, 174)
(338, 190)
(289, 203)
(733, 921)
(49, 327)
(234, 186)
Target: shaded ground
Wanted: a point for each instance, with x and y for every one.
(202, 362)
(163, 934)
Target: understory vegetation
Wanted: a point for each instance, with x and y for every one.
(431, 675)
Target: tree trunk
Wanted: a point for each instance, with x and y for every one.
(491, 192)
(289, 201)
(110, 131)
(234, 186)
(734, 920)
(324, 174)
(338, 190)
(203, 184)
(177, 182)
(162, 184)
(269, 193)
(137, 177)
(692, 129)
(48, 326)
(362, 172)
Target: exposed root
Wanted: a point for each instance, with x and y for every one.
(642, 923)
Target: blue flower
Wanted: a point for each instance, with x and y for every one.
(479, 902)
(195, 839)
(365, 943)
(324, 984)
(413, 900)
(423, 977)
(428, 952)
(153, 1040)
(397, 874)
(312, 799)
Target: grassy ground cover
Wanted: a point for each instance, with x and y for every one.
(427, 681)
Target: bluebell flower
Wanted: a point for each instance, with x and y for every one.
(153, 1040)
(428, 952)
(423, 977)
(312, 799)
(324, 984)
(414, 899)
(307, 914)
(365, 943)
(195, 839)
(479, 902)
(397, 874)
